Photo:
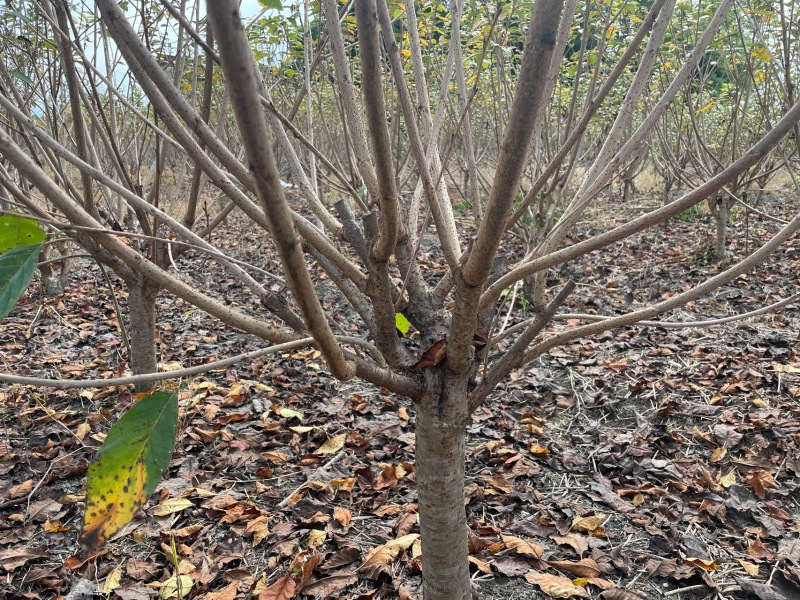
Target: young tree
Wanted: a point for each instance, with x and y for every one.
(379, 274)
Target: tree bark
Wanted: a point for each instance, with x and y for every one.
(440, 451)
(721, 214)
(142, 329)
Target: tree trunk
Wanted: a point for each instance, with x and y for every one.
(668, 181)
(142, 329)
(722, 229)
(440, 451)
(628, 190)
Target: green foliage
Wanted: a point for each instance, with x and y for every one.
(135, 453)
(18, 231)
(20, 243)
(17, 267)
(693, 214)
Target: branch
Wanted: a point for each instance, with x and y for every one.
(647, 313)
(348, 95)
(78, 216)
(516, 139)
(450, 246)
(239, 66)
(513, 357)
(755, 154)
(539, 46)
(153, 377)
(375, 104)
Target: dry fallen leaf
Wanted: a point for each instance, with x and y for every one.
(384, 554)
(316, 537)
(708, 565)
(761, 481)
(171, 506)
(342, 515)
(719, 453)
(227, 593)
(576, 541)
(333, 445)
(482, 566)
(283, 589)
(113, 580)
(585, 567)
(520, 546)
(588, 523)
(750, 568)
(556, 586)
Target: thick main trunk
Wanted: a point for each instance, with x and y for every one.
(440, 452)
(142, 329)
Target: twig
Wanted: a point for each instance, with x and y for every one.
(311, 477)
(690, 588)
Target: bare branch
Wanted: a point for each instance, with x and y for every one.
(243, 87)
(648, 313)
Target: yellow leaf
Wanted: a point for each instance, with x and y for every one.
(750, 568)
(785, 368)
(288, 413)
(761, 53)
(302, 429)
(55, 526)
(588, 523)
(333, 445)
(171, 506)
(112, 580)
(83, 430)
(386, 553)
(706, 107)
(537, 449)
(728, 480)
(176, 587)
(316, 537)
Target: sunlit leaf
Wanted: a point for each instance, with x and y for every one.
(19, 231)
(333, 445)
(273, 4)
(176, 587)
(401, 323)
(171, 506)
(129, 465)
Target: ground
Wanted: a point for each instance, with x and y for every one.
(645, 463)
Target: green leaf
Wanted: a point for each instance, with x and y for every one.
(136, 451)
(17, 267)
(401, 323)
(22, 77)
(275, 4)
(18, 231)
